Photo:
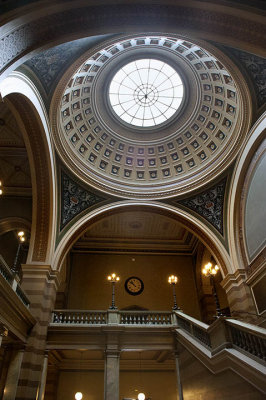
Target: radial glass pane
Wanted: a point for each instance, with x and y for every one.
(146, 92)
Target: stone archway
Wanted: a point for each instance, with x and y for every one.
(30, 115)
(191, 223)
(250, 269)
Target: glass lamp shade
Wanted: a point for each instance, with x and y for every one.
(141, 396)
(78, 396)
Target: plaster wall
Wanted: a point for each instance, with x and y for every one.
(200, 384)
(156, 384)
(12, 207)
(8, 247)
(90, 383)
(89, 289)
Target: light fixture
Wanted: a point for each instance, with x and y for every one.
(113, 278)
(209, 271)
(21, 236)
(78, 396)
(1, 190)
(16, 268)
(173, 281)
(141, 396)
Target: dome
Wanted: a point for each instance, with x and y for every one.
(179, 131)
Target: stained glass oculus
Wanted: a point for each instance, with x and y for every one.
(146, 92)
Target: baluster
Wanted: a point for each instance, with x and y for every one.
(99, 318)
(257, 347)
(262, 347)
(68, 318)
(244, 338)
(250, 344)
(238, 338)
(94, 319)
(86, 319)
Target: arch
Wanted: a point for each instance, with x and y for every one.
(191, 223)
(238, 193)
(28, 109)
(45, 25)
(14, 223)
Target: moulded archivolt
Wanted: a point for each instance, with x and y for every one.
(166, 159)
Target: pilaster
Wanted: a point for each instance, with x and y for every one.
(13, 373)
(111, 367)
(40, 284)
(239, 296)
(178, 376)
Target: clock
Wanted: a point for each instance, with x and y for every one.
(134, 285)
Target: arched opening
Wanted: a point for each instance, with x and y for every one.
(147, 243)
(30, 116)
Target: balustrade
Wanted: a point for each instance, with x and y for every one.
(5, 271)
(195, 328)
(12, 279)
(248, 338)
(145, 318)
(79, 317)
(100, 317)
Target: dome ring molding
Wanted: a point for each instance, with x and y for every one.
(167, 181)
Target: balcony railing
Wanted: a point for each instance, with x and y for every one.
(12, 279)
(195, 328)
(84, 317)
(246, 338)
(79, 317)
(145, 318)
(223, 333)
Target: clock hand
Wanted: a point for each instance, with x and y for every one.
(132, 283)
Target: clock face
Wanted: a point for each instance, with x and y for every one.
(134, 285)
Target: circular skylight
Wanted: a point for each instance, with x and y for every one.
(146, 92)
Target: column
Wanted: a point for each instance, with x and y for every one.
(111, 373)
(40, 284)
(239, 297)
(43, 378)
(178, 377)
(13, 374)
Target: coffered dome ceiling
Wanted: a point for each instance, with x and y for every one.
(131, 153)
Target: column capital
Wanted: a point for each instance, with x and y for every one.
(232, 280)
(112, 350)
(35, 271)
